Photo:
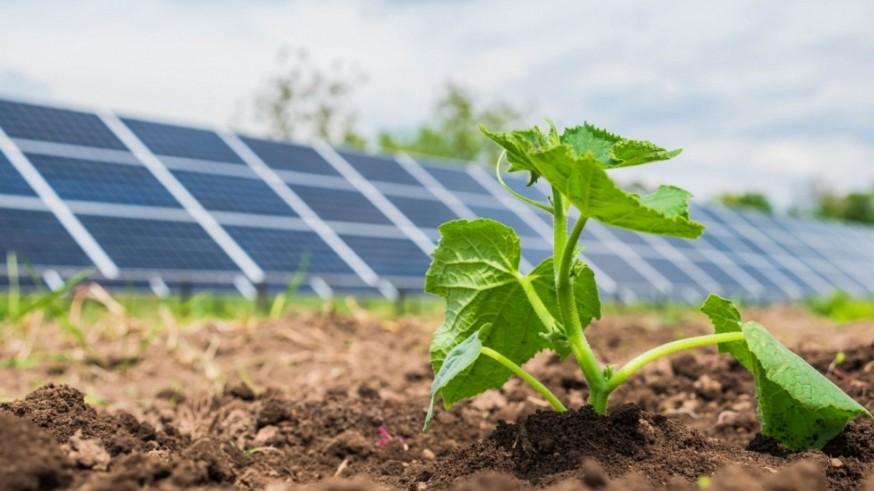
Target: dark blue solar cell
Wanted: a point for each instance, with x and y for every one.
(763, 279)
(25, 283)
(390, 257)
(535, 256)
(38, 238)
(616, 268)
(671, 271)
(33, 122)
(505, 216)
(680, 243)
(157, 244)
(455, 178)
(715, 242)
(181, 141)
(752, 246)
(283, 251)
(718, 274)
(423, 212)
(627, 236)
(375, 168)
(102, 182)
(236, 194)
(11, 181)
(797, 280)
(288, 156)
(340, 205)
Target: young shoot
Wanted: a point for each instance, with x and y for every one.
(497, 318)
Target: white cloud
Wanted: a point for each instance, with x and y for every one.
(759, 94)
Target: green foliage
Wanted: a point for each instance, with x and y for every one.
(857, 206)
(302, 100)
(476, 269)
(460, 359)
(750, 201)
(575, 164)
(451, 130)
(842, 307)
(497, 318)
(726, 318)
(797, 405)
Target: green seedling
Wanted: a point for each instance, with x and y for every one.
(497, 318)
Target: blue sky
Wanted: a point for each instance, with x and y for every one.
(761, 95)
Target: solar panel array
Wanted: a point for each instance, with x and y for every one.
(155, 205)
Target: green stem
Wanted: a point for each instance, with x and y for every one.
(513, 192)
(540, 309)
(654, 354)
(533, 382)
(559, 228)
(573, 326)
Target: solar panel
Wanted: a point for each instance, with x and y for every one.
(200, 206)
(158, 244)
(382, 169)
(284, 250)
(505, 216)
(33, 122)
(340, 205)
(455, 178)
(728, 285)
(290, 157)
(390, 257)
(38, 238)
(11, 181)
(102, 182)
(425, 213)
(179, 141)
(234, 194)
(818, 260)
(618, 269)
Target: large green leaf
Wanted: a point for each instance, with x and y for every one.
(726, 318)
(459, 359)
(797, 405)
(585, 183)
(611, 150)
(576, 165)
(519, 144)
(475, 269)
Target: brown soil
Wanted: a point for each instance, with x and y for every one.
(337, 402)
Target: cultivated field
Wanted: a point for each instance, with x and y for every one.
(333, 396)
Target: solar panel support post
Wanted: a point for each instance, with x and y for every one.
(186, 289)
(400, 302)
(262, 301)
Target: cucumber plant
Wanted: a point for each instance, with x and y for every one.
(497, 318)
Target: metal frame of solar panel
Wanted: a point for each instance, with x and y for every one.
(162, 206)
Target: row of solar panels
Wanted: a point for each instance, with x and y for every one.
(157, 205)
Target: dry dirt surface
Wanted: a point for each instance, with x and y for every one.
(331, 402)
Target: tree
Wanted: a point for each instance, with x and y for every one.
(749, 200)
(453, 128)
(304, 100)
(856, 206)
